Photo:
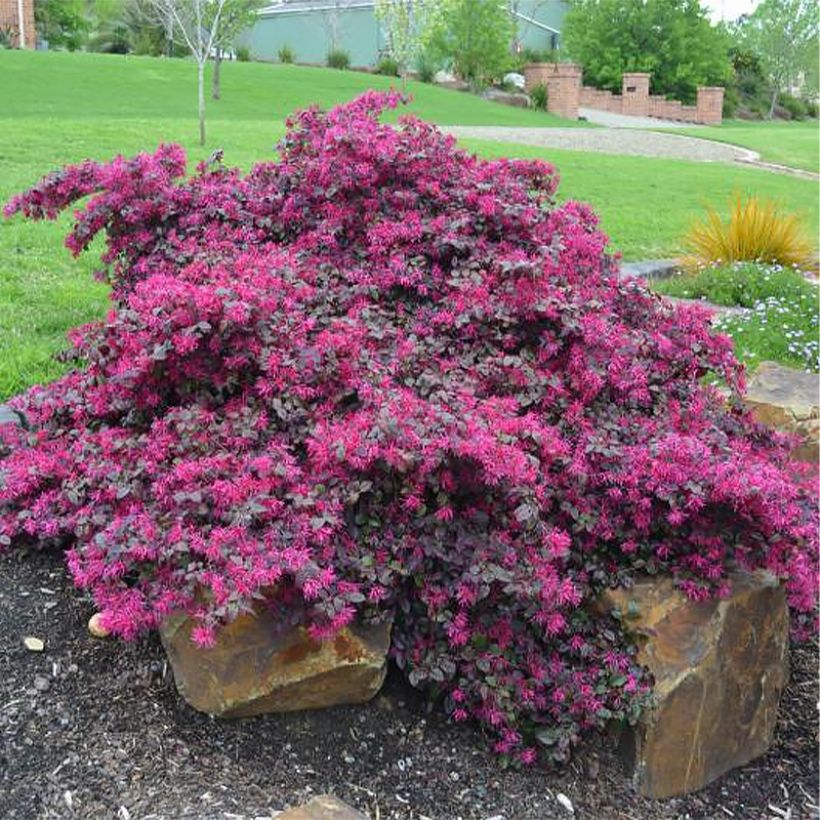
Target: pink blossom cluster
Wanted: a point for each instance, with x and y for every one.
(382, 376)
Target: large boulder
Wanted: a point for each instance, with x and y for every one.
(256, 668)
(719, 666)
(788, 400)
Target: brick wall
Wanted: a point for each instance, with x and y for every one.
(635, 94)
(563, 82)
(566, 95)
(710, 105)
(10, 21)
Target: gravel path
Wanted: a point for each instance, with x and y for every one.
(629, 141)
(610, 120)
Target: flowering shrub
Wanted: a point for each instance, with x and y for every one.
(381, 375)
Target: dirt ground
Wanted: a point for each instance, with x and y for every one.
(95, 729)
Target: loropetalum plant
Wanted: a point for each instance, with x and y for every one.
(381, 376)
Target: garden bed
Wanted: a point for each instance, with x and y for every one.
(106, 730)
(771, 311)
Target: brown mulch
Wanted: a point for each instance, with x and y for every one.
(96, 729)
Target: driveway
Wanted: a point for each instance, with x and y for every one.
(624, 141)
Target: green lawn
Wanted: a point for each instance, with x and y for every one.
(46, 85)
(796, 144)
(59, 108)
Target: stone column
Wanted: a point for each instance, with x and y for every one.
(635, 93)
(710, 104)
(563, 82)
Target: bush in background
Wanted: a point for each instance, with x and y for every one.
(387, 66)
(539, 97)
(338, 58)
(243, 54)
(286, 54)
(380, 375)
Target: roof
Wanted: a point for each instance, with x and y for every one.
(298, 6)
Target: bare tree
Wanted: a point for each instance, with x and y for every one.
(196, 24)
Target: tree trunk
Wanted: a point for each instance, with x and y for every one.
(201, 99)
(217, 90)
(775, 95)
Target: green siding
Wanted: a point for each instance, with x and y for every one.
(307, 33)
(308, 36)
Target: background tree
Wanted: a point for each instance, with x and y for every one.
(237, 16)
(403, 23)
(471, 36)
(783, 33)
(196, 23)
(62, 23)
(671, 39)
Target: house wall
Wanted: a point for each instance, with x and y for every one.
(10, 21)
(307, 33)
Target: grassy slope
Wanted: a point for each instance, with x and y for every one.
(89, 86)
(796, 144)
(59, 108)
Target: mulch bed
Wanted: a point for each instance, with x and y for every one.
(95, 729)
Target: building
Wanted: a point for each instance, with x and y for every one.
(309, 28)
(17, 23)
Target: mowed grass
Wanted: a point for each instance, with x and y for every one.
(61, 108)
(57, 85)
(795, 144)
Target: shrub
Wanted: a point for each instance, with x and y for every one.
(796, 108)
(338, 58)
(243, 54)
(426, 67)
(538, 97)
(286, 54)
(382, 375)
(812, 109)
(387, 66)
(756, 231)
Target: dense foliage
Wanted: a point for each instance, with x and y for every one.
(383, 376)
(672, 39)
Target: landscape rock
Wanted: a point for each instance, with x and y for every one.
(96, 628)
(255, 668)
(507, 98)
(34, 644)
(788, 400)
(323, 807)
(516, 79)
(719, 667)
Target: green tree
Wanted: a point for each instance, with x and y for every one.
(783, 33)
(63, 23)
(471, 36)
(671, 39)
(403, 22)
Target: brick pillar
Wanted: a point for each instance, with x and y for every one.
(10, 21)
(710, 105)
(635, 93)
(563, 82)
